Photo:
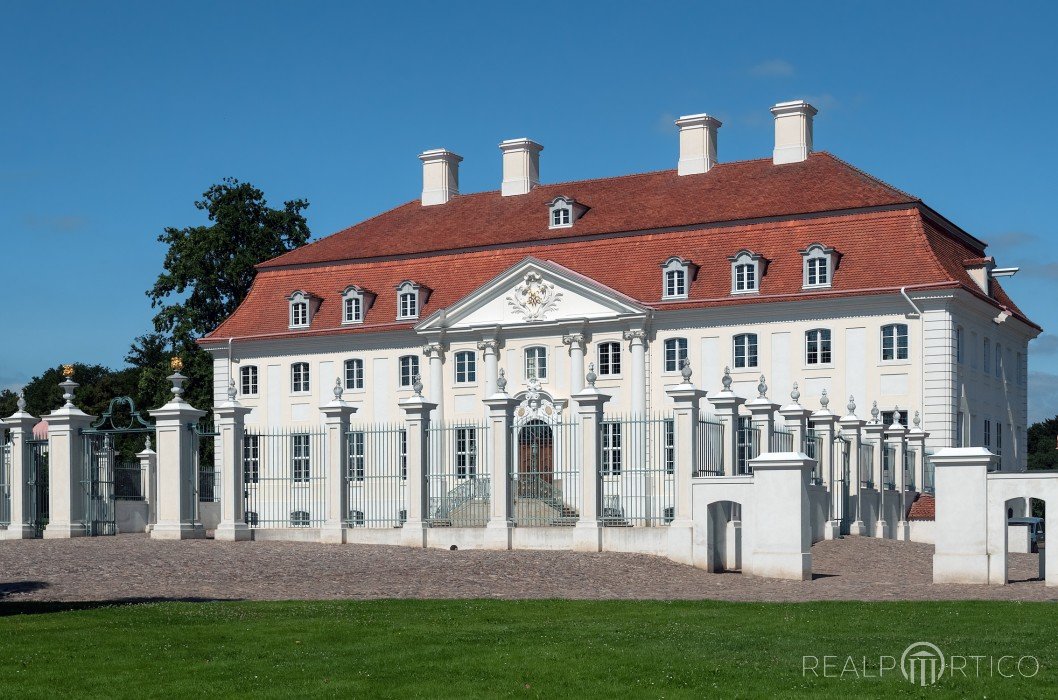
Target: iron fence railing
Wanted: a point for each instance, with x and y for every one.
(458, 486)
(545, 479)
(866, 464)
(129, 481)
(910, 462)
(782, 441)
(928, 473)
(285, 477)
(709, 445)
(206, 464)
(813, 447)
(888, 466)
(5, 480)
(637, 470)
(376, 476)
(748, 446)
(36, 456)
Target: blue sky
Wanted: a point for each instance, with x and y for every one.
(117, 116)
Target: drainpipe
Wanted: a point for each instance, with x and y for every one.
(230, 378)
(921, 365)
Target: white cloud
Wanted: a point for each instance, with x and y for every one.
(1046, 344)
(773, 68)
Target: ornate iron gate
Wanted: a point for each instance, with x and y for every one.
(36, 461)
(112, 436)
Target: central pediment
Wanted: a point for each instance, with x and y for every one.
(534, 292)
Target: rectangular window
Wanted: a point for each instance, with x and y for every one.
(356, 456)
(299, 314)
(817, 347)
(301, 452)
(745, 350)
(248, 376)
(466, 368)
(353, 310)
(466, 453)
(409, 369)
(536, 363)
(675, 283)
(299, 377)
(818, 272)
(354, 374)
(675, 354)
(745, 277)
(894, 342)
(251, 459)
(609, 359)
(670, 447)
(611, 449)
(409, 305)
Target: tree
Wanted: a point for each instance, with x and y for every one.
(1043, 441)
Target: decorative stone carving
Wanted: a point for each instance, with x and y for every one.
(488, 345)
(536, 404)
(432, 349)
(572, 339)
(591, 377)
(634, 335)
(534, 298)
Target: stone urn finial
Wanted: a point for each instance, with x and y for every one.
(896, 416)
(795, 395)
(824, 400)
(591, 375)
(232, 391)
(874, 411)
(917, 421)
(726, 381)
(685, 371)
(852, 405)
(762, 388)
(416, 385)
(21, 403)
(501, 382)
(338, 389)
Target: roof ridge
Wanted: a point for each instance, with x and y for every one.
(867, 175)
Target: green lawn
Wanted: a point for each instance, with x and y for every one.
(508, 649)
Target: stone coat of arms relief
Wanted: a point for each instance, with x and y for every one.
(534, 298)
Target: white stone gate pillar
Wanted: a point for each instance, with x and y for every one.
(916, 442)
(961, 524)
(725, 407)
(149, 473)
(177, 487)
(782, 529)
(66, 497)
(501, 455)
(417, 424)
(875, 432)
(230, 422)
(763, 411)
(687, 399)
(20, 424)
(823, 422)
(577, 345)
(587, 535)
(851, 427)
(795, 416)
(895, 438)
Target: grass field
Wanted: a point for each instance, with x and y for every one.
(402, 648)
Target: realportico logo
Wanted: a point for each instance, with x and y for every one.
(923, 664)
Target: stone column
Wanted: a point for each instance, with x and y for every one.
(782, 533)
(916, 441)
(66, 498)
(875, 432)
(501, 417)
(961, 524)
(149, 471)
(177, 487)
(895, 436)
(637, 347)
(851, 426)
(823, 422)
(725, 406)
(795, 416)
(763, 412)
(417, 424)
(577, 345)
(434, 352)
(687, 399)
(489, 353)
(20, 424)
(587, 535)
(337, 415)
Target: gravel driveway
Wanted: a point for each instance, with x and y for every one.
(133, 567)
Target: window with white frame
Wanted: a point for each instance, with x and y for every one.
(251, 459)
(611, 449)
(409, 369)
(817, 346)
(561, 213)
(676, 276)
(299, 314)
(987, 439)
(818, 266)
(609, 359)
(536, 363)
(745, 350)
(248, 380)
(466, 367)
(999, 361)
(299, 377)
(986, 364)
(301, 458)
(466, 453)
(675, 354)
(354, 310)
(355, 302)
(300, 518)
(670, 447)
(745, 272)
(356, 456)
(894, 342)
(959, 356)
(408, 300)
(354, 374)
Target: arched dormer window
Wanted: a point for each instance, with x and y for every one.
(301, 309)
(676, 277)
(355, 302)
(819, 264)
(411, 297)
(746, 270)
(563, 211)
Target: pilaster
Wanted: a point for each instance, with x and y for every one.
(587, 536)
(687, 398)
(177, 481)
(20, 424)
(337, 415)
(65, 464)
(417, 423)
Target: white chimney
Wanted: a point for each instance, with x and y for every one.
(697, 143)
(793, 131)
(440, 176)
(521, 166)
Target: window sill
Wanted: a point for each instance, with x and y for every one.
(466, 385)
(300, 394)
(813, 287)
(894, 363)
(679, 297)
(745, 370)
(829, 365)
(353, 323)
(745, 291)
(407, 318)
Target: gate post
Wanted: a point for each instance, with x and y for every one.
(417, 420)
(851, 425)
(66, 499)
(20, 423)
(763, 411)
(916, 440)
(177, 487)
(149, 473)
(687, 398)
(501, 418)
(961, 526)
(895, 437)
(823, 421)
(337, 416)
(229, 420)
(587, 535)
(725, 406)
(875, 431)
(782, 530)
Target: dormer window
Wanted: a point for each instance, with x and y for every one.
(746, 271)
(818, 266)
(563, 211)
(300, 309)
(410, 299)
(355, 302)
(676, 277)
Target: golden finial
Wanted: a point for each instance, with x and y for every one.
(67, 371)
(176, 364)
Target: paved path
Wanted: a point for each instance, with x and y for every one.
(134, 567)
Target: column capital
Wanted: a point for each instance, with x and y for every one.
(433, 350)
(634, 335)
(489, 345)
(574, 339)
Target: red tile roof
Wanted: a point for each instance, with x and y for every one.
(924, 508)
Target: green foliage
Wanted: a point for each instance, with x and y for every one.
(1043, 444)
(98, 385)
